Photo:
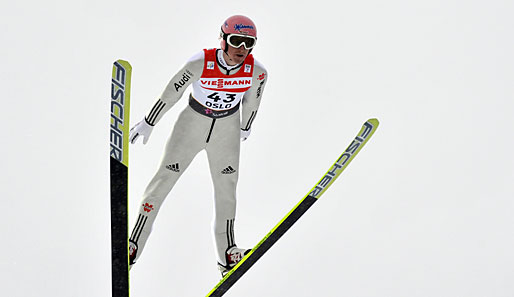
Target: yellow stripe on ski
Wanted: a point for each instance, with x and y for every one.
(367, 130)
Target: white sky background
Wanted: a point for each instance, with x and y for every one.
(426, 208)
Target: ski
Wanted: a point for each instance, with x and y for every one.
(307, 201)
(119, 134)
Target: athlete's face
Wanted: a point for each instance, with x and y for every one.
(235, 56)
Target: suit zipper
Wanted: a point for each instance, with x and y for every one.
(210, 131)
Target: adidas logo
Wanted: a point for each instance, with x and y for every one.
(173, 167)
(228, 170)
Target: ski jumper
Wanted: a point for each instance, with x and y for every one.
(212, 122)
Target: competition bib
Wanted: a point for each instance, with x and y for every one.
(220, 92)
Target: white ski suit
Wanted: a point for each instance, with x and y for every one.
(211, 121)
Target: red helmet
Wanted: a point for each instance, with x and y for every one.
(238, 25)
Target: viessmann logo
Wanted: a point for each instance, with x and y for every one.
(117, 111)
(226, 83)
(341, 162)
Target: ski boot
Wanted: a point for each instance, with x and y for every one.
(233, 255)
(132, 253)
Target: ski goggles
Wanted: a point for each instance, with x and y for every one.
(236, 40)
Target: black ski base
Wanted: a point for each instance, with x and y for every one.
(119, 229)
